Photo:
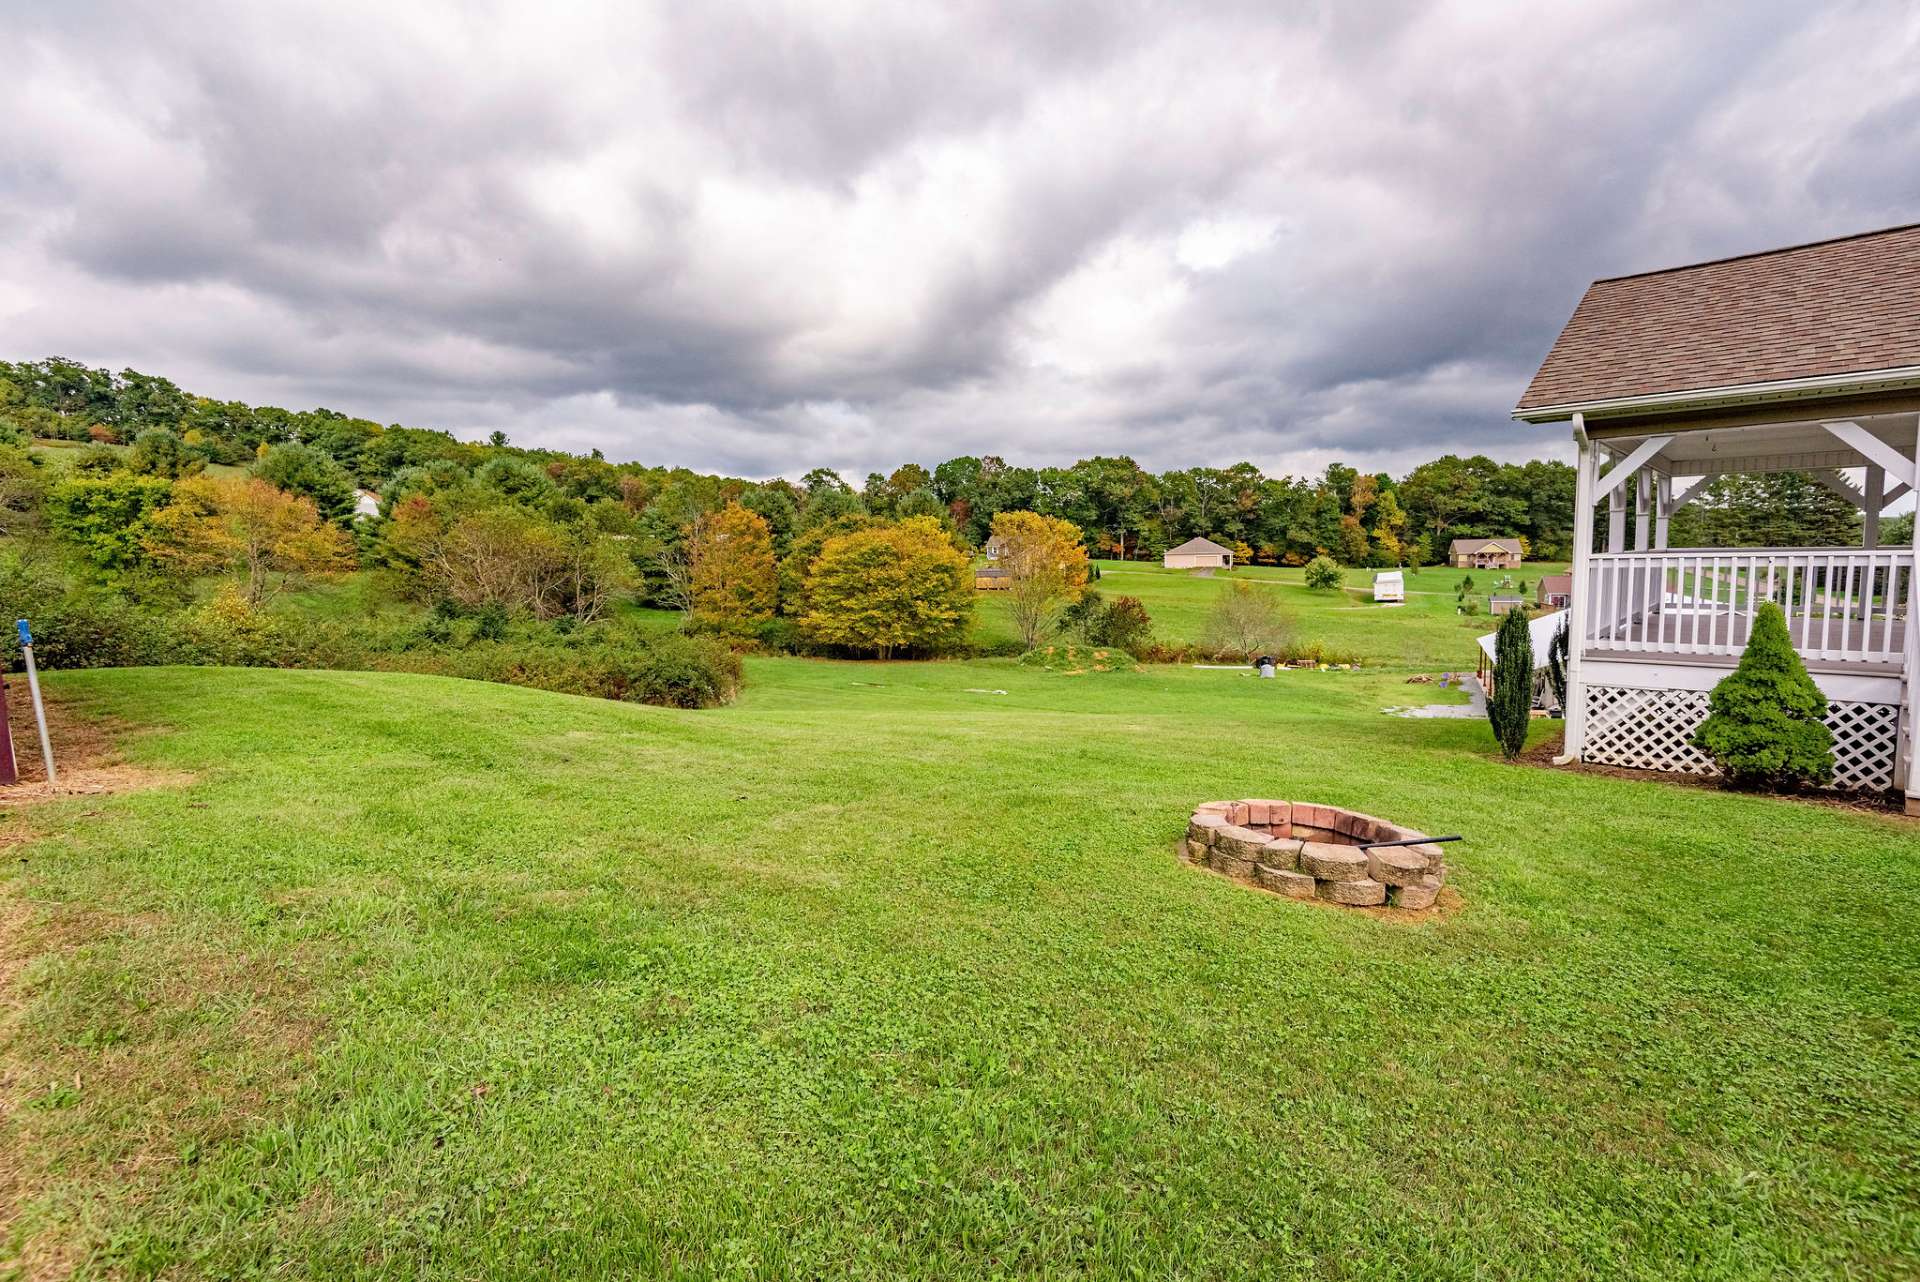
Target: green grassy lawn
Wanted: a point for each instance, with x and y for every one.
(883, 973)
(1425, 633)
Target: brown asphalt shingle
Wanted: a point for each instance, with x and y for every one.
(1835, 307)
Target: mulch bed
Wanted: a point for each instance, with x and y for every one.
(1542, 755)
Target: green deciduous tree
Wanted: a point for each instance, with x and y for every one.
(105, 514)
(1122, 622)
(733, 587)
(894, 588)
(158, 452)
(1323, 574)
(1766, 720)
(269, 537)
(1046, 565)
(311, 473)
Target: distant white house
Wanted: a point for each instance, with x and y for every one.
(365, 504)
(1198, 554)
(1390, 585)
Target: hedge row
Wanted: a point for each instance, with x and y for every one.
(82, 629)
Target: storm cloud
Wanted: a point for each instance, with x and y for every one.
(761, 237)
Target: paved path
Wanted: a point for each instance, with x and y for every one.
(1475, 706)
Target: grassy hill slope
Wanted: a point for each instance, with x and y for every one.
(1425, 633)
(889, 971)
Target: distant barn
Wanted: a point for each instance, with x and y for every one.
(1198, 554)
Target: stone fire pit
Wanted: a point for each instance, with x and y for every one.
(1311, 851)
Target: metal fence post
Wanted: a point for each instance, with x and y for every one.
(39, 708)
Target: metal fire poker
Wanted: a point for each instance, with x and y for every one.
(1405, 841)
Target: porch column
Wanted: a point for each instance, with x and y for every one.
(1642, 524)
(1585, 473)
(1617, 519)
(1876, 499)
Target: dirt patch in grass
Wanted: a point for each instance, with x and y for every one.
(1542, 754)
(86, 754)
(1073, 660)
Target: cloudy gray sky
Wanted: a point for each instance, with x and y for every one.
(760, 237)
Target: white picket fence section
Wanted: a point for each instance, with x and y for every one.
(1843, 605)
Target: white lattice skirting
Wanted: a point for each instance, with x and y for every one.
(1650, 729)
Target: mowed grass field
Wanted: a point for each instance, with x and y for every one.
(1426, 633)
(889, 971)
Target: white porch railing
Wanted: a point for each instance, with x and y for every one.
(1843, 605)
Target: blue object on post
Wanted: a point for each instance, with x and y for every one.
(26, 637)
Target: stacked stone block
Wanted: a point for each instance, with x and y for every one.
(1310, 851)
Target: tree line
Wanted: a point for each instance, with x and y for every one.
(1122, 510)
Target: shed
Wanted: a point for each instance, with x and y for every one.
(991, 578)
(1555, 590)
(1390, 585)
(1501, 603)
(1198, 554)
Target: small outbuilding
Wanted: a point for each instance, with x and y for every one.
(1198, 554)
(991, 578)
(1501, 603)
(1554, 591)
(1485, 554)
(1540, 634)
(1389, 586)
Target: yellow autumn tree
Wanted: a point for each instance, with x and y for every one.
(268, 537)
(1046, 564)
(893, 588)
(734, 585)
